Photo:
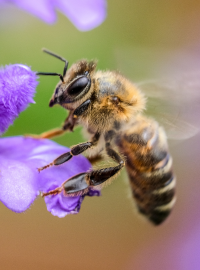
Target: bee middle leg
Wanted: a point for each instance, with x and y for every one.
(76, 150)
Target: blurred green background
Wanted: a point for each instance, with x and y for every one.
(143, 39)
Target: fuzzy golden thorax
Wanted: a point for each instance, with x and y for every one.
(114, 98)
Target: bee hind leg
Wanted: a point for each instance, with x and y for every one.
(79, 184)
(98, 177)
(75, 186)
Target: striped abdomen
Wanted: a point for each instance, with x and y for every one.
(149, 167)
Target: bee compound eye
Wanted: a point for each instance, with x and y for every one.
(77, 86)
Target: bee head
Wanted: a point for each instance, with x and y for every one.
(75, 82)
(71, 92)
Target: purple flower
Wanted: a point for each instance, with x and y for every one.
(20, 182)
(17, 88)
(84, 14)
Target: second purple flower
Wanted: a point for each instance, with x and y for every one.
(20, 182)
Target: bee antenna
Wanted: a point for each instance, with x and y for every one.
(59, 57)
(51, 74)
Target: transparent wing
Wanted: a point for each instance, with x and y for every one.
(175, 104)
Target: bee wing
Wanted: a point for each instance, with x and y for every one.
(175, 104)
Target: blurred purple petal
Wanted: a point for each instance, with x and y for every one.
(178, 252)
(40, 8)
(176, 244)
(84, 14)
(20, 157)
(189, 250)
(17, 88)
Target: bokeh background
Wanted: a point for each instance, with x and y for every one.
(143, 39)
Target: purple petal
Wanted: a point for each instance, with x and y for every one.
(17, 88)
(18, 185)
(60, 206)
(43, 9)
(21, 156)
(84, 14)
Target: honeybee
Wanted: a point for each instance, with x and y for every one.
(111, 110)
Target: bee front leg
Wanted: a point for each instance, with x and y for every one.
(48, 134)
(76, 150)
(68, 125)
